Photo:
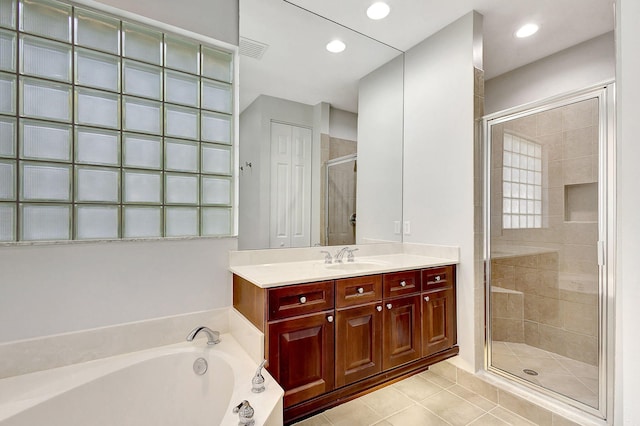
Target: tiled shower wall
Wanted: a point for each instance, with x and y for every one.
(560, 311)
(541, 310)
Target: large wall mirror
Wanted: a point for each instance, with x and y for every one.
(320, 132)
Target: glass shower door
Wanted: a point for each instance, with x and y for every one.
(545, 230)
(341, 201)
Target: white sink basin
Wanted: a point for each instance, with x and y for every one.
(357, 265)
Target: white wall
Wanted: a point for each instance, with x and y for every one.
(218, 19)
(627, 377)
(379, 183)
(56, 288)
(439, 157)
(253, 182)
(343, 124)
(255, 148)
(575, 68)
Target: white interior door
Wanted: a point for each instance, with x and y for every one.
(290, 220)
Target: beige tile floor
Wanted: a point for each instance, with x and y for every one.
(564, 375)
(423, 399)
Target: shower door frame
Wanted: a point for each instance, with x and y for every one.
(605, 92)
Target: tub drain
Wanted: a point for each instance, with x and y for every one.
(530, 372)
(200, 366)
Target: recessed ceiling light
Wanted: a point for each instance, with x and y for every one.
(527, 30)
(378, 10)
(336, 46)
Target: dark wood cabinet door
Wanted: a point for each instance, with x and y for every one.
(401, 331)
(358, 343)
(438, 321)
(301, 356)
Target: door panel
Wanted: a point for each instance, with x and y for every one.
(290, 223)
(437, 321)
(401, 338)
(358, 343)
(301, 356)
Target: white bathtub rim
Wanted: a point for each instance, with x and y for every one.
(20, 393)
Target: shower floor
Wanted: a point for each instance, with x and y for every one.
(574, 379)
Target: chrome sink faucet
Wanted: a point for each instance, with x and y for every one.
(212, 336)
(340, 254)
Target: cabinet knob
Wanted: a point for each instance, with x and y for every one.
(426, 299)
(379, 308)
(303, 299)
(330, 318)
(389, 306)
(437, 277)
(360, 290)
(403, 283)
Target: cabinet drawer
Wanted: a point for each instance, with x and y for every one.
(300, 299)
(400, 283)
(358, 291)
(435, 278)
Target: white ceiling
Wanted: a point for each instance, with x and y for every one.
(296, 65)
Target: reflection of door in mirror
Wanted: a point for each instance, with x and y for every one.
(290, 186)
(341, 200)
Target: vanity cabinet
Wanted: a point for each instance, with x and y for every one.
(401, 341)
(402, 336)
(301, 339)
(327, 342)
(358, 328)
(438, 310)
(301, 356)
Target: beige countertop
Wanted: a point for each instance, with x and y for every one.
(277, 273)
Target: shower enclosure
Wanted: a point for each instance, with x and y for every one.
(548, 216)
(340, 213)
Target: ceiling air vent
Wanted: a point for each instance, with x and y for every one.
(252, 48)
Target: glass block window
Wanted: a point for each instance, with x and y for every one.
(110, 128)
(521, 183)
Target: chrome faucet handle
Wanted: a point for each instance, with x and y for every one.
(257, 383)
(327, 256)
(245, 413)
(350, 256)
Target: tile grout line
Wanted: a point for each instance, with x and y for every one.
(441, 418)
(510, 412)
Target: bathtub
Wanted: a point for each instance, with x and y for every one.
(152, 387)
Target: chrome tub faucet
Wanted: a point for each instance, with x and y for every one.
(212, 336)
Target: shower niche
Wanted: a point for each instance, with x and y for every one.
(581, 202)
